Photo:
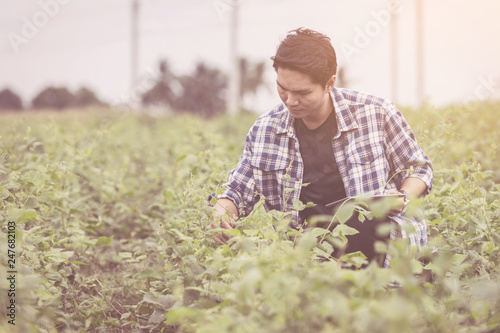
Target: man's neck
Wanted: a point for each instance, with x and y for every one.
(316, 122)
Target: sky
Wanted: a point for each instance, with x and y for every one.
(76, 43)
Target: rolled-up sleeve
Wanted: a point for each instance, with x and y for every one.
(406, 156)
(240, 187)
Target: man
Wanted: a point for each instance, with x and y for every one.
(340, 142)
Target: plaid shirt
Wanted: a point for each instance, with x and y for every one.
(374, 144)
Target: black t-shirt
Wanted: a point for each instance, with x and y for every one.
(320, 170)
(320, 167)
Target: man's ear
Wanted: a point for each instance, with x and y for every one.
(331, 83)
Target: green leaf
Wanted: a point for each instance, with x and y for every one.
(231, 232)
(321, 253)
(384, 229)
(494, 320)
(271, 235)
(125, 315)
(36, 177)
(345, 230)
(345, 212)
(12, 186)
(4, 193)
(181, 314)
(163, 301)
(54, 276)
(28, 215)
(478, 201)
(488, 247)
(76, 262)
(327, 247)
(356, 258)
(104, 241)
(150, 274)
(361, 217)
(416, 267)
(457, 259)
(57, 255)
(306, 242)
(316, 232)
(22, 215)
(125, 255)
(246, 245)
(298, 205)
(251, 232)
(480, 310)
(180, 235)
(380, 247)
(293, 233)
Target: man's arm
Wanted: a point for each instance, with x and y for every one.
(415, 187)
(225, 214)
(406, 154)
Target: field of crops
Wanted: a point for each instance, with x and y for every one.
(112, 234)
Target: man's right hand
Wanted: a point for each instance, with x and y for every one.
(225, 217)
(221, 238)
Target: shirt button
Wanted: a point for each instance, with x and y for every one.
(297, 179)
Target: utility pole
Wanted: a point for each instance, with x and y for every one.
(420, 52)
(235, 75)
(134, 46)
(394, 57)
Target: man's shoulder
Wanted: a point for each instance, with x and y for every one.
(362, 106)
(355, 97)
(275, 120)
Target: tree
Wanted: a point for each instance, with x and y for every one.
(252, 77)
(161, 93)
(84, 97)
(10, 100)
(53, 98)
(60, 98)
(203, 92)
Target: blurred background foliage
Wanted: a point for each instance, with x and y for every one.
(202, 92)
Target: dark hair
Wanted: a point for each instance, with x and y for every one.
(309, 52)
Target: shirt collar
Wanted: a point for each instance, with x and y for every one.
(345, 118)
(286, 123)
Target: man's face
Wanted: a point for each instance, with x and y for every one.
(304, 98)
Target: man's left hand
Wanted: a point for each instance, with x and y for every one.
(395, 211)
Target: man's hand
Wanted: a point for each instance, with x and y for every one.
(226, 215)
(415, 187)
(222, 238)
(395, 211)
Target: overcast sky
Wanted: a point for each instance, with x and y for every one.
(87, 42)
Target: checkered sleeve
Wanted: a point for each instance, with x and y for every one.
(240, 187)
(404, 151)
(406, 154)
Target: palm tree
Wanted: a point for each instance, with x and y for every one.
(252, 77)
(161, 93)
